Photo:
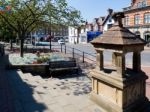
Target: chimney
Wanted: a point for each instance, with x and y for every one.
(110, 11)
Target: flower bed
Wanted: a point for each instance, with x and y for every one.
(37, 58)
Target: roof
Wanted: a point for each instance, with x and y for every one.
(118, 35)
(108, 16)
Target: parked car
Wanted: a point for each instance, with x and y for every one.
(61, 41)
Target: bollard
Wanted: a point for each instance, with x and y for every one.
(61, 47)
(65, 49)
(83, 57)
(73, 52)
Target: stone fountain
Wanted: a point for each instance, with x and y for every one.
(118, 88)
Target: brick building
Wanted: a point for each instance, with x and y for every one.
(137, 18)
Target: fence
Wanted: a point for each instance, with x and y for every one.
(76, 53)
(73, 52)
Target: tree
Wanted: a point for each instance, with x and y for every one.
(26, 15)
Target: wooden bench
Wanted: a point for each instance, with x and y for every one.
(55, 66)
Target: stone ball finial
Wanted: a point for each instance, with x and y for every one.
(117, 16)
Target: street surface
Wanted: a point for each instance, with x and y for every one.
(145, 56)
(88, 48)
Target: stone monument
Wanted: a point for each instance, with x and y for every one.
(118, 88)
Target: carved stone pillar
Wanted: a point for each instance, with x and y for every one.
(114, 57)
(99, 60)
(136, 61)
(120, 63)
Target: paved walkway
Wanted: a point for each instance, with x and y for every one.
(6, 98)
(23, 92)
(36, 94)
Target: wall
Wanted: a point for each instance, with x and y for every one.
(131, 17)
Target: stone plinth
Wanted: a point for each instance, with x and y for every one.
(116, 94)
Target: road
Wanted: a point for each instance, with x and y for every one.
(145, 55)
(88, 48)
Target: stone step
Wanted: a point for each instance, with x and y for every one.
(31, 79)
(24, 75)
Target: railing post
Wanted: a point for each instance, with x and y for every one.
(61, 47)
(65, 49)
(83, 57)
(73, 52)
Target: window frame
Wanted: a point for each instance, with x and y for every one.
(127, 20)
(147, 18)
(136, 19)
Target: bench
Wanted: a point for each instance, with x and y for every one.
(55, 66)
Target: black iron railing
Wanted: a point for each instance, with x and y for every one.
(71, 51)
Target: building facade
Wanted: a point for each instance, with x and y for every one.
(137, 18)
(97, 27)
(57, 33)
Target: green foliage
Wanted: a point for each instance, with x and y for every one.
(27, 15)
(43, 59)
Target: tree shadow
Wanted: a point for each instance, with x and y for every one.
(25, 98)
(76, 84)
(24, 93)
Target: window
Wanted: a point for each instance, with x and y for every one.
(139, 5)
(137, 19)
(144, 3)
(126, 20)
(147, 37)
(147, 18)
(110, 20)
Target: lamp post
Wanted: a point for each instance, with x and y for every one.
(49, 30)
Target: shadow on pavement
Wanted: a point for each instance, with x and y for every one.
(24, 98)
(24, 94)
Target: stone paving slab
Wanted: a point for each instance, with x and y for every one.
(6, 98)
(35, 94)
(57, 95)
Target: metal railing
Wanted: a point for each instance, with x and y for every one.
(71, 51)
(76, 53)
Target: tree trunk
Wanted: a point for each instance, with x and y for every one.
(11, 44)
(21, 46)
(17, 39)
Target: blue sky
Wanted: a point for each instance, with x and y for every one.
(96, 8)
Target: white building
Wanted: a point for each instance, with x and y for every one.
(72, 34)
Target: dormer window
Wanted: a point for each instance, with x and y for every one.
(144, 3)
